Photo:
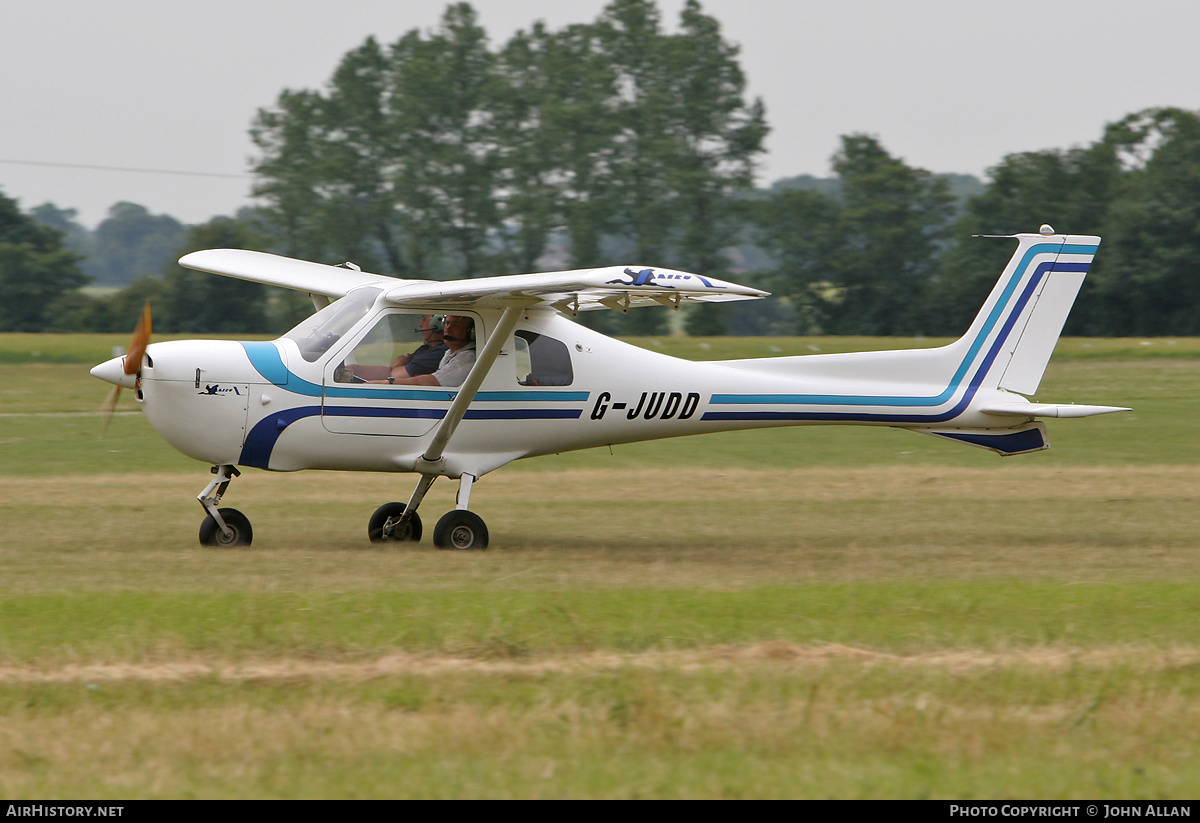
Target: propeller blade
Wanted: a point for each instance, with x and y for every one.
(141, 339)
(107, 407)
(132, 364)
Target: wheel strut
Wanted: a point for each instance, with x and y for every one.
(214, 491)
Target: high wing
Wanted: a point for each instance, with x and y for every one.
(260, 267)
(614, 287)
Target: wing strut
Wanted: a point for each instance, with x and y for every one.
(429, 463)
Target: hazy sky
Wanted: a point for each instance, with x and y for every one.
(948, 85)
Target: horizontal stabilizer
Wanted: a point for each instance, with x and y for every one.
(1049, 410)
(1028, 438)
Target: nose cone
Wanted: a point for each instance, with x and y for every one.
(113, 371)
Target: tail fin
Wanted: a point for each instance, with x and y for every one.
(1023, 317)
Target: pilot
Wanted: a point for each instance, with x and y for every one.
(456, 363)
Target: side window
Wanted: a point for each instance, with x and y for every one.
(393, 336)
(542, 360)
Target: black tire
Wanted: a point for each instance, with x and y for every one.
(461, 530)
(239, 524)
(410, 532)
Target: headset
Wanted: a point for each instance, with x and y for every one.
(471, 330)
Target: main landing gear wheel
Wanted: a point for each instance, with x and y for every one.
(239, 526)
(385, 526)
(460, 529)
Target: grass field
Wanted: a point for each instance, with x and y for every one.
(822, 612)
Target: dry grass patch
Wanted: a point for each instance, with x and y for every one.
(780, 654)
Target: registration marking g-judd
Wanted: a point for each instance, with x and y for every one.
(260, 440)
(955, 381)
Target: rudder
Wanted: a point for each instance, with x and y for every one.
(1024, 315)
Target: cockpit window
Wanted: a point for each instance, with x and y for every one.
(318, 333)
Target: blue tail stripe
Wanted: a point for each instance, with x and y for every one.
(906, 400)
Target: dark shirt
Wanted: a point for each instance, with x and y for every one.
(425, 359)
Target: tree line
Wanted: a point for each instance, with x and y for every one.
(439, 156)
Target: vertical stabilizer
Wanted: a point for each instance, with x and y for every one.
(1026, 310)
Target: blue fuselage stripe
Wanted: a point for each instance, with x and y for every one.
(264, 356)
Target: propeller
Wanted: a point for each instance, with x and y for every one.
(131, 364)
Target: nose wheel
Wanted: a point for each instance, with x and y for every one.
(223, 528)
(237, 531)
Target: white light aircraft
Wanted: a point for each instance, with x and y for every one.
(542, 384)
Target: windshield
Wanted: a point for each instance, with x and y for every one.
(318, 333)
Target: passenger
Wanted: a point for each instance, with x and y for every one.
(456, 362)
(423, 360)
(428, 355)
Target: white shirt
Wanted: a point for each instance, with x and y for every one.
(455, 366)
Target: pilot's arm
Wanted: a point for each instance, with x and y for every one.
(419, 380)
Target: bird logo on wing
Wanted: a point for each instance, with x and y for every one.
(639, 278)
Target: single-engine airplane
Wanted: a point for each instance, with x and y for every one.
(326, 395)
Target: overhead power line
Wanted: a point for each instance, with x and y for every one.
(125, 169)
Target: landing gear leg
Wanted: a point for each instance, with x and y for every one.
(222, 527)
(461, 529)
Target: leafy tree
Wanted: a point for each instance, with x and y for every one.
(131, 242)
(324, 173)
(437, 156)
(863, 262)
(686, 140)
(1149, 283)
(76, 237)
(392, 166)
(576, 118)
(800, 229)
(35, 269)
(444, 128)
(115, 313)
(893, 220)
(195, 301)
(555, 175)
(1072, 190)
(720, 136)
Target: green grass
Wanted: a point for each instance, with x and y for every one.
(908, 617)
(806, 612)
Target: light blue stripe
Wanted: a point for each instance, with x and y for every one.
(536, 396)
(266, 360)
